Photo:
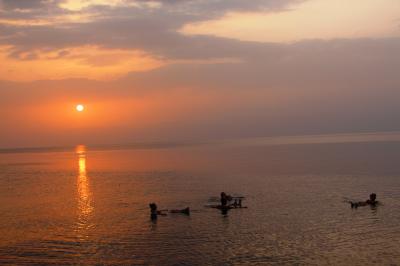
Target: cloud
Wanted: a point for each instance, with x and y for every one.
(120, 25)
(89, 62)
(317, 19)
(24, 4)
(154, 29)
(130, 28)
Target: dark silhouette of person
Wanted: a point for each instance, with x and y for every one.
(224, 199)
(224, 203)
(153, 211)
(372, 199)
(371, 202)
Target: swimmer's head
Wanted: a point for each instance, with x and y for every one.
(372, 196)
(153, 206)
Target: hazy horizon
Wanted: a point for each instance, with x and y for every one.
(343, 138)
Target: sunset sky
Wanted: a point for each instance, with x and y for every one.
(171, 70)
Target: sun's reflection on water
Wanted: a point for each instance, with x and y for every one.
(85, 204)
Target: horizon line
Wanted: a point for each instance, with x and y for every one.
(352, 137)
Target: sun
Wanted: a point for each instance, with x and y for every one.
(80, 107)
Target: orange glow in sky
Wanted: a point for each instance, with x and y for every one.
(89, 61)
(119, 71)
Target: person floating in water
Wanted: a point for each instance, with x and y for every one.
(224, 199)
(224, 203)
(371, 202)
(154, 212)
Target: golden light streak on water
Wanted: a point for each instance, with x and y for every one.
(85, 201)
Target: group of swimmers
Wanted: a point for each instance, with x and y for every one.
(227, 205)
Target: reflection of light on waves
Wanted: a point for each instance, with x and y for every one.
(85, 207)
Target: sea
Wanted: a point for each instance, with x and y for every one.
(89, 205)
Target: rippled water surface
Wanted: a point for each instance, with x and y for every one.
(91, 207)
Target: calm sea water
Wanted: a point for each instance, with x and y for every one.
(89, 207)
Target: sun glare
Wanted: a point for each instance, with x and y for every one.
(80, 107)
